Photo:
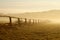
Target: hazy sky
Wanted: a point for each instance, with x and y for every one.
(17, 6)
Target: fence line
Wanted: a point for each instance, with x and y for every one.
(19, 20)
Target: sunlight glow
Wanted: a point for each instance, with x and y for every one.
(55, 20)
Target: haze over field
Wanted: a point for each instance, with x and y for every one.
(51, 15)
(32, 9)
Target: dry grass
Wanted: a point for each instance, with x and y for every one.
(30, 32)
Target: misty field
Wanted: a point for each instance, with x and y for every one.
(41, 31)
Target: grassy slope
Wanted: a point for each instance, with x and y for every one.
(30, 32)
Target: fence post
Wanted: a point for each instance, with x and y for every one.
(10, 21)
(29, 20)
(18, 20)
(25, 20)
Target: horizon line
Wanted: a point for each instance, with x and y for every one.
(33, 11)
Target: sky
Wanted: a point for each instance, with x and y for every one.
(21, 6)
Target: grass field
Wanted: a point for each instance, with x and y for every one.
(30, 32)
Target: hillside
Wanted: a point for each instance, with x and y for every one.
(46, 14)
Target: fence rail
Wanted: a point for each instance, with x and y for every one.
(19, 20)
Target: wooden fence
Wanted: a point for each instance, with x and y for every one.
(19, 20)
